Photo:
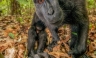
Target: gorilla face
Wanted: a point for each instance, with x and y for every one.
(49, 10)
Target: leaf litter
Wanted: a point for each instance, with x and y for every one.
(13, 38)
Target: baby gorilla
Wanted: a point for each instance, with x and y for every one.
(36, 33)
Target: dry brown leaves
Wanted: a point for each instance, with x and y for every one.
(15, 47)
(61, 50)
(91, 51)
(12, 46)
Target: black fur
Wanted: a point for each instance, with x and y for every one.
(55, 13)
(36, 33)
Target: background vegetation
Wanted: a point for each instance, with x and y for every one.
(25, 7)
(15, 19)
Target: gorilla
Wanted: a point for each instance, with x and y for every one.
(53, 14)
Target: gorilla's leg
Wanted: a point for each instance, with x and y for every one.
(78, 40)
(42, 41)
(74, 36)
(31, 42)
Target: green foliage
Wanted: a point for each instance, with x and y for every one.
(11, 35)
(22, 2)
(20, 20)
(88, 41)
(25, 2)
(74, 33)
(25, 53)
(91, 4)
(25, 6)
(94, 52)
(3, 7)
(1, 56)
(90, 25)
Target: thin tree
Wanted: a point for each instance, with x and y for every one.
(15, 7)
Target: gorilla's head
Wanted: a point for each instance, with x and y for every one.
(49, 10)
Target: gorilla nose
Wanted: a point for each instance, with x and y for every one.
(50, 11)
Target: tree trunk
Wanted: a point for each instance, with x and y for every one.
(15, 8)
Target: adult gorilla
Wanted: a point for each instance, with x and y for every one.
(55, 13)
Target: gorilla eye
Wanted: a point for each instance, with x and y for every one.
(40, 1)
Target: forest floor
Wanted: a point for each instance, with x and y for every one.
(13, 38)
